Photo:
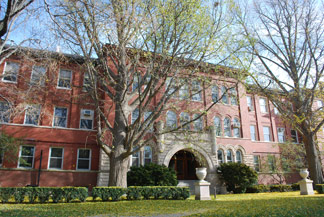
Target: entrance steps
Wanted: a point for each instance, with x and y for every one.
(188, 183)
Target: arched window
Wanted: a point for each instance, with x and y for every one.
(238, 156)
(136, 158)
(224, 94)
(227, 127)
(171, 120)
(236, 128)
(215, 93)
(185, 118)
(229, 156)
(220, 156)
(233, 96)
(198, 124)
(217, 124)
(147, 155)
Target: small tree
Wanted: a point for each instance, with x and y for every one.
(237, 176)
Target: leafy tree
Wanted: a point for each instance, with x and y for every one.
(286, 40)
(135, 52)
(237, 176)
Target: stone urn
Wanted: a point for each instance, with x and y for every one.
(304, 173)
(201, 173)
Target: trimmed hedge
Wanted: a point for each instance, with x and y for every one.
(43, 194)
(319, 188)
(295, 187)
(157, 192)
(280, 188)
(258, 189)
(105, 193)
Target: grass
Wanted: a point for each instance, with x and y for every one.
(263, 204)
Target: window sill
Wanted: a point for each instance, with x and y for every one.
(9, 82)
(47, 127)
(63, 88)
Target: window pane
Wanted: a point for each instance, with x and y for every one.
(38, 75)
(11, 72)
(233, 97)
(217, 125)
(250, 103)
(86, 124)
(266, 134)
(185, 118)
(281, 134)
(84, 153)
(220, 156)
(227, 127)
(256, 162)
(229, 156)
(4, 112)
(135, 115)
(83, 164)
(236, 128)
(263, 105)
(215, 93)
(32, 114)
(60, 117)
(55, 163)
(253, 132)
(65, 78)
(238, 157)
(26, 156)
(147, 154)
(198, 124)
(184, 90)
(225, 97)
(196, 91)
(56, 152)
(294, 136)
(171, 120)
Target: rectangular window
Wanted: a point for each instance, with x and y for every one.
(281, 134)
(253, 133)
(4, 112)
(266, 134)
(26, 157)
(147, 155)
(263, 105)
(184, 90)
(196, 91)
(136, 158)
(60, 117)
(170, 86)
(256, 162)
(86, 82)
(86, 119)
(198, 124)
(84, 159)
(1, 156)
(38, 75)
(294, 136)
(135, 115)
(10, 72)
(215, 93)
(271, 163)
(56, 158)
(233, 96)
(250, 105)
(224, 95)
(65, 77)
(32, 114)
(146, 116)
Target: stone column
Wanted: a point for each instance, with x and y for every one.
(212, 132)
(103, 174)
(160, 137)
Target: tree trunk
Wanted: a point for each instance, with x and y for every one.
(118, 168)
(313, 160)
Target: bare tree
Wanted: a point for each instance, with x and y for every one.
(135, 54)
(286, 41)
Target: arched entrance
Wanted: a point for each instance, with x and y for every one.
(185, 164)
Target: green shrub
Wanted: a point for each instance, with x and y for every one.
(152, 175)
(280, 188)
(134, 193)
(6, 194)
(157, 192)
(295, 187)
(57, 194)
(319, 188)
(108, 192)
(258, 189)
(19, 194)
(72, 193)
(237, 176)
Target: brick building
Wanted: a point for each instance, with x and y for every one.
(57, 124)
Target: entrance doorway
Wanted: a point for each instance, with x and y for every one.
(185, 164)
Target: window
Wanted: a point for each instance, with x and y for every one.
(10, 72)
(266, 134)
(65, 77)
(184, 90)
(26, 157)
(1, 156)
(253, 132)
(224, 95)
(84, 159)
(217, 124)
(136, 82)
(60, 117)
(86, 82)
(170, 86)
(38, 75)
(86, 119)
(198, 124)
(196, 91)
(147, 155)
(4, 112)
(215, 93)
(294, 136)
(256, 162)
(171, 120)
(250, 105)
(32, 114)
(135, 115)
(263, 105)
(185, 118)
(281, 134)
(220, 156)
(320, 104)
(271, 163)
(56, 158)
(233, 96)
(227, 127)
(238, 157)
(236, 128)
(229, 156)
(136, 158)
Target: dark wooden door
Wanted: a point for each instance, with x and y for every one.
(184, 163)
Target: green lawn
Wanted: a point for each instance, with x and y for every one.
(263, 204)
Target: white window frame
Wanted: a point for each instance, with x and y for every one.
(249, 101)
(264, 137)
(227, 127)
(67, 115)
(241, 156)
(281, 133)
(256, 163)
(253, 133)
(138, 158)
(42, 81)
(49, 159)
(20, 150)
(231, 153)
(297, 139)
(92, 114)
(233, 94)
(236, 128)
(78, 158)
(70, 82)
(39, 111)
(219, 130)
(16, 73)
(263, 105)
(223, 156)
(151, 154)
